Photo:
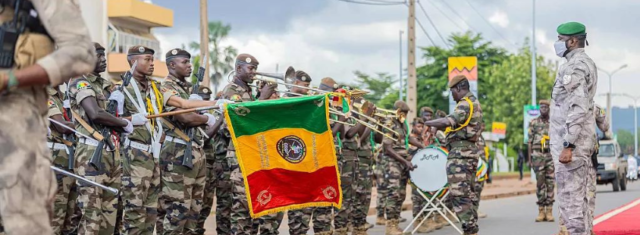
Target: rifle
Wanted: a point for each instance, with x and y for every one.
(71, 151)
(187, 159)
(112, 108)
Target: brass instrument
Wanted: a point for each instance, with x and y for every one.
(359, 106)
(373, 128)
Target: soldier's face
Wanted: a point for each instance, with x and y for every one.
(145, 64)
(544, 110)
(101, 63)
(182, 66)
(419, 127)
(427, 116)
(300, 90)
(246, 72)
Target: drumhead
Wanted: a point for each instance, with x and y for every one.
(431, 172)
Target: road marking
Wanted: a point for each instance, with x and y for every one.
(612, 213)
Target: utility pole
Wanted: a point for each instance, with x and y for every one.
(400, 74)
(609, 107)
(533, 56)
(204, 41)
(411, 67)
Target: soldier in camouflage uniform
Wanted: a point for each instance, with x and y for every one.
(238, 90)
(479, 184)
(463, 131)
(399, 165)
(572, 129)
(26, 181)
(65, 199)
(217, 182)
(98, 207)
(183, 184)
(542, 162)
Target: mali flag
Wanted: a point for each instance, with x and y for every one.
(286, 153)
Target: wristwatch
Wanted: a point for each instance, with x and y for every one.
(569, 145)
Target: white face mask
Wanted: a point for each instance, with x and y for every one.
(561, 48)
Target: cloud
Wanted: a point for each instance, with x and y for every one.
(500, 18)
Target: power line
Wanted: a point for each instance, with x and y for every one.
(374, 2)
(445, 15)
(456, 13)
(432, 24)
(490, 25)
(425, 32)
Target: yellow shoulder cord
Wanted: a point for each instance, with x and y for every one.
(466, 123)
(158, 102)
(543, 141)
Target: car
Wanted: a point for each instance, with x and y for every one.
(612, 167)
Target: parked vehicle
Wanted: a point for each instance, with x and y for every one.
(612, 167)
(632, 169)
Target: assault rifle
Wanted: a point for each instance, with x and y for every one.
(187, 159)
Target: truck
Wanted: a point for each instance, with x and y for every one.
(612, 167)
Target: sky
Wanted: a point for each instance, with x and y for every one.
(334, 38)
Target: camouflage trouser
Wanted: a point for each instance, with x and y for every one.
(479, 185)
(98, 206)
(65, 219)
(241, 221)
(181, 197)
(576, 195)
(417, 201)
(299, 220)
(347, 164)
(141, 186)
(362, 188)
(397, 177)
(217, 185)
(461, 175)
(545, 177)
(381, 186)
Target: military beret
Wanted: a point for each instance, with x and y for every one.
(426, 109)
(328, 84)
(140, 50)
(246, 59)
(457, 79)
(544, 102)
(441, 114)
(572, 28)
(418, 121)
(302, 76)
(402, 106)
(204, 90)
(99, 48)
(177, 53)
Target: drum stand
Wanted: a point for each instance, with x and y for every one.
(434, 204)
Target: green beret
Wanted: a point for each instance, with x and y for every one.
(99, 48)
(246, 59)
(302, 76)
(572, 28)
(204, 90)
(140, 50)
(177, 53)
(426, 109)
(457, 79)
(328, 84)
(402, 106)
(544, 102)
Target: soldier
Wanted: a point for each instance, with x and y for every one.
(426, 113)
(399, 165)
(542, 162)
(239, 90)
(479, 184)
(364, 181)
(26, 181)
(417, 201)
(572, 128)
(301, 79)
(463, 131)
(183, 183)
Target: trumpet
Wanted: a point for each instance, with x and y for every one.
(372, 127)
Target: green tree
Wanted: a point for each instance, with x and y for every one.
(220, 58)
(625, 139)
(378, 86)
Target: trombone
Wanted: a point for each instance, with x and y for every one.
(372, 127)
(373, 119)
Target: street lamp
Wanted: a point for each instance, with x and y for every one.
(609, 107)
(635, 123)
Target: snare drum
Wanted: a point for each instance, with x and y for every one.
(431, 172)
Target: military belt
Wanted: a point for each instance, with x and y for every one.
(179, 141)
(138, 146)
(459, 143)
(348, 154)
(89, 142)
(56, 146)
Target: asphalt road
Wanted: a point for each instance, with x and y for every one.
(516, 215)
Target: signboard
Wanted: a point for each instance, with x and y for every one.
(467, 66)
(499, 129)
(530, 112)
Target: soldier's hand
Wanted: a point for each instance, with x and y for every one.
(267, 90)
(566, 155)
(409, 166)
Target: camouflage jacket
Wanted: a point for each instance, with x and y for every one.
(82, 88)
(467, 135)
(538, 127)
(400, 144)
(172, 86)
(55, 107)
(235, 93)
(140, 133)
(572, 108)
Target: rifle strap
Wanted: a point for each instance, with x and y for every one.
(176, 130)
(86, 125)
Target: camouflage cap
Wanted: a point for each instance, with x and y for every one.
(541, 102)
(302, 76)
(402, 106)
(246, 59)
(177, 52)
(99, 48)
(328, 84)
(204, 90)
(457, 79)
(426, 109)
(140, 50)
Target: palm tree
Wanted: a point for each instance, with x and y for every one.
(221, 58)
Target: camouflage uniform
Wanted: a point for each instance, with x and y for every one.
(479, 182)
(241, 221)
(217, 185)
(573, 120)
(396, 174)
(417, 201)
(98, 207)
(381, 184)
(542, 162)
(348, 164)
(462, 162)
(141, 171)
(64, 204)
(362, 185)
(26, 181)
(181, 197)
